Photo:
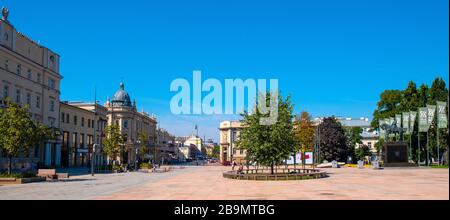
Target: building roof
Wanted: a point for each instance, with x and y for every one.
(355, 122)
(121, 98)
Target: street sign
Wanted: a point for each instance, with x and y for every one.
(82, 150)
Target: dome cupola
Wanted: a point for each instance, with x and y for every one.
(121, 98)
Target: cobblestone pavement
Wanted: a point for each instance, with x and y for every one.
(80, 187)
(345, 183)
(206, 183)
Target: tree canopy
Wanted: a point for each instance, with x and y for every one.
(333, 141)
(397, 101)
(268, 145)
(304, 132)
(19, 132)
(112, 143)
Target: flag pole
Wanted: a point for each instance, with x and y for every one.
(418, 144)
(437, 143)
(428, 150)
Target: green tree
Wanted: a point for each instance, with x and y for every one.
(388, 106)
(216, 152)
(354, 139)
(362, 152)
(379, 146)
(113, 142)
(268, 145)
(410, 98)
(437, 92)
(333, 142)
(143, 145)
(304, 134)
(19, 132)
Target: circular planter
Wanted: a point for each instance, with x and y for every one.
(279, 175)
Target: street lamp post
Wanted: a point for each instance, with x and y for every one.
(94, 147)
(136, 156)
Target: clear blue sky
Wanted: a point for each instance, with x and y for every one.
(333, 57)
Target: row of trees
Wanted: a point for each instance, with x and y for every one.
(19, 132)
(394, 102)
(271, 145)
(114, 143)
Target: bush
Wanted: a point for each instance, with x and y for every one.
(27, 174)
(145, 166)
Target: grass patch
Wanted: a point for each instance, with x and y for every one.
(440, 166)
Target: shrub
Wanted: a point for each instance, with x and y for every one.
(145, 166)
(27, 174)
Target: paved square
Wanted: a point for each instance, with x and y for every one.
(207, 183)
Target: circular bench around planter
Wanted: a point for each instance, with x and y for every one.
(280, 175)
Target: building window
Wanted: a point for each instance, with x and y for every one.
(52, 122)
(82, 122)
(62, 117)
(52, 105)
(369, 144)
(6, 64)
(29, 99)
(67, 118)
(5, 91)
(241, 152)
(51, 83)
(29, 74)
(38, 102)
(19, 69)
(82, 141)
(234, 136)
(74, 140)
(125, 124)
(18, 96)
(75, 119)
(38, 77)
(89, 123)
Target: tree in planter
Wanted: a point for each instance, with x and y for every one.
(333, 142)
(304, 135)
(113, 142)
(268, 145)
(19, 132)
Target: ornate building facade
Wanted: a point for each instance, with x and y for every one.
(30, 75)
(229, 133)
(123, 113)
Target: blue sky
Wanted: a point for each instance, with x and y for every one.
(333, 57)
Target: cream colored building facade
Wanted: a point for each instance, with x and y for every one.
(82, 126)
(229, 134)
(30, 75)
(122, 112)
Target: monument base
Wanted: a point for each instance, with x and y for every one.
(395, 154)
